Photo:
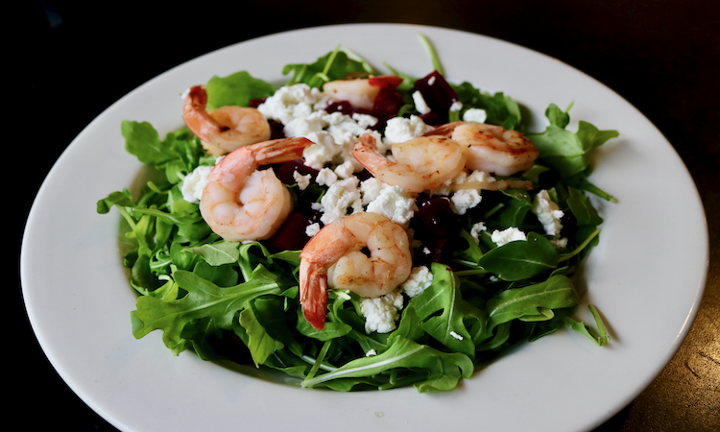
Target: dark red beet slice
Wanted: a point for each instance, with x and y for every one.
(291, 235)
(436, 91)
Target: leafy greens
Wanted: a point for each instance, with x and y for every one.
(240, 301)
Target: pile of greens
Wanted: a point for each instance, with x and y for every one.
(227, 300)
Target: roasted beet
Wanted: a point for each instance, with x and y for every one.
(436, 91)
(254, 103)
(285, 171)
(388, 101)
(435, 219)
(291, 235)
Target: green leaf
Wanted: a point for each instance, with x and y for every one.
(335, 65)
(237, 89)
(444, 370)
(204, 300)
(224, 252)
(443, 313)
(260, 343)
(531, 303)
(142, 141)
(520, 260)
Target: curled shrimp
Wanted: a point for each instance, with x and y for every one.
(359, 92)
(422, 163)
(241, 203)
(334, 258)
(224, 129)
(491, 148)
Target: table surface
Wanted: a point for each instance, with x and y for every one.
(661, 56)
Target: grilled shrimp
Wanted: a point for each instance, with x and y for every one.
(241, 203)
(224, 129)
(334, 258)
(422, 163)
(491, 148)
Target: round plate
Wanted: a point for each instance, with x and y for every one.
(646, 276)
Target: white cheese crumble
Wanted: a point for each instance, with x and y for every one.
(506, 236)
(326, 177)
(476, 230)
(464, 199)
(312, 229)
(456, 106)
(193, 184)
(341, 199)
(420, 105)
(419, 279)
(381, 313)
(394, 203)
(303, 181)
(301, 110)
(548, 213)
(475, 115)
(370, 353)
(401, 129)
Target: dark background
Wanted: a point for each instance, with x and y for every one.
(75, 58)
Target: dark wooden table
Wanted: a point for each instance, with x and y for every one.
(74, 59)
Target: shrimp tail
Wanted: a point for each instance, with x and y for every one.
(314, 295)
(280, 150)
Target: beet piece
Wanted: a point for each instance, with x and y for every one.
(254, 103)
(285, 171)
(388, 101)
(291, 235)
(277, 130)
(435, 219)
(436, 91)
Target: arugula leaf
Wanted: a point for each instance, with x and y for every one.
(335, 65)
(204, 300)
(216, 254)
(531, 303)
(237, 89)
(443, 370)
(569, 153)
(520, 260)
(443, 313)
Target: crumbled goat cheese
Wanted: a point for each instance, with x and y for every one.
(420, 105)
(370, 353)
(464, 199)
(548, 213)
(560, 243)
(476, 230)
(345, 169)
(371, 189)
(401, 129)
(395, 204)
(431, 80)
(456, 106)
(326, 177)
(456, 336)
(340, 197)
(312, 229)
(301, 110)
(290, 102)
(475, 115)
(506, 236)
(381, 313)
(193, 184)
(419, 279)
(303, 181)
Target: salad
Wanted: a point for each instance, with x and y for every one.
(484, 258)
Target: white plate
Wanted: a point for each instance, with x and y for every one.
(646, 276)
